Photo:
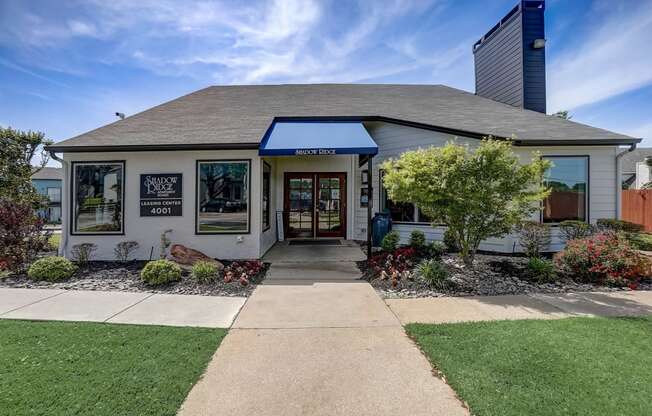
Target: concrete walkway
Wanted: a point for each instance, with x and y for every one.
(538, 306)
(119, 307)
(323, 349)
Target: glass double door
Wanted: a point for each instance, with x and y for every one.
(315, 205)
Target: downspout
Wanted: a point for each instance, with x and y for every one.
(619, 185)
(62, 249)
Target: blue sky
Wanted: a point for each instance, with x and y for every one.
(67, 66)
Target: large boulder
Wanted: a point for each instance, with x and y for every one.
(186, 257)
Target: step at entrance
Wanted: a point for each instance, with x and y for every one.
(345, 271)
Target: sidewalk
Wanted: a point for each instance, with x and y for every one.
(536, 306)
(119, 307)
(323, 349)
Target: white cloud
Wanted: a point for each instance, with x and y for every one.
(643, 131)
(77, 27)
(612, 59)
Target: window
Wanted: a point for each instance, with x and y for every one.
(98, 196)
(54, 195)
(568, 180)
(400, 211)
(222, 197)
(267, 177)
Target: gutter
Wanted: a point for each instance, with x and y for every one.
(619, 190)
(63, 246)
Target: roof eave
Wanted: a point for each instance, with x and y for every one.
(591, 142)
(150, 147)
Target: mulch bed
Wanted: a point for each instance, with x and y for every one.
(125, 277)
(491, 275)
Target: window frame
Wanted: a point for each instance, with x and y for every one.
(267, 226)
(382, 196)
(47, 192)
(73, 185)
(198, 183)
(587, 197)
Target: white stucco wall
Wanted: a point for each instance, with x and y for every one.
(395, 139)
(147, 230)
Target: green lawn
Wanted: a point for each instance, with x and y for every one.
(57, 368)
(576, 366)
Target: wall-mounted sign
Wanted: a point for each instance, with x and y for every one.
(314, 152)
(161, 195)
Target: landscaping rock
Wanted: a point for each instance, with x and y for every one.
(491, 275)
(116, 276)
(186, 257)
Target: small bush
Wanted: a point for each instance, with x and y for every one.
(436, 249)
(434, 273)
(418, 241)
(52, 269)
(21, 233)
(541, 270)
(617, 226)
(124, 249)
(390, 241)
(159, 272)
(534, 238)
(450, 242)
(393, 264)
(82, 253)
(204, 271)
(572, 230)
(603, 258)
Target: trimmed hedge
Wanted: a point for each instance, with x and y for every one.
(159, 272)
(52, 269)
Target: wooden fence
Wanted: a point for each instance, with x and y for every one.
(637, 207)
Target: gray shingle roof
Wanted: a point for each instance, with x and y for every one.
(629, 159)
(49, 173)
(240, 115)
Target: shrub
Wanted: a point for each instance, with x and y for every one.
(613, 225)
(204, 271)
(242, 271)
(393, 264)
(541, 270)
(603, 258)
(572, 230)
(390, 241)
(436, 249)
(158, 272)
(478, 193)
(450, 242)
(52, 269)
(21, 234)
(534, 238)
(434, 273)
(82, 253)
(418, 241)
(124, 249)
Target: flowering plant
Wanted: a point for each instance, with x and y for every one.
(603, 258)
(242, 271)
(394, 264)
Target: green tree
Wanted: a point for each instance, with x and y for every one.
(478, 194)
(563, 114)
(17, 152)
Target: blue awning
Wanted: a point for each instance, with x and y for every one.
(317, 138)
